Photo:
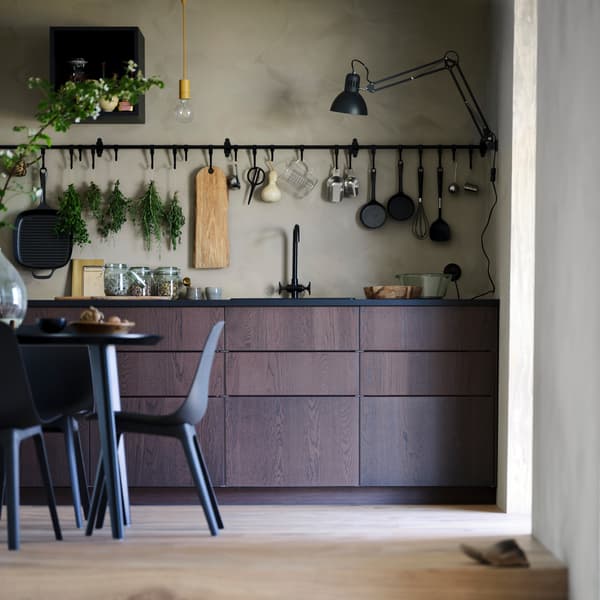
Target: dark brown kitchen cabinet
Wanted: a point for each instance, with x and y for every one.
(380, 399)
(291, 441)
(427, 440)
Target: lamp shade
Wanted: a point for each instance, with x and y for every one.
(350, 101)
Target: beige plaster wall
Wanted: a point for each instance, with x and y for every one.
(265, 71)
(566, 495)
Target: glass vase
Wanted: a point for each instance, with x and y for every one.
(13, 294)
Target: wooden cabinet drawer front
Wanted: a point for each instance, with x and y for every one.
(292, 373)
(182, 329)
(429, 328)
(291, 441)
(428, 373)
(428, 441)
(160, 461)
(164, 373)
(293, 328)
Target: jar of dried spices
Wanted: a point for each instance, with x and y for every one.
(166, 282)
(140, 281)
(116, 279)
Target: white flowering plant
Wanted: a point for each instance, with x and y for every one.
(59, 109)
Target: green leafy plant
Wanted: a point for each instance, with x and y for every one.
(114, 212)
(173, 221)
(92, 203)
(70, 221)
(59, 109)
(147, 214)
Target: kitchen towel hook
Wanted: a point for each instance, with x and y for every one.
(174, 151)
(152, 157)
(210, 157)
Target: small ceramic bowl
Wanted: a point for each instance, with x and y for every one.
(52, 324)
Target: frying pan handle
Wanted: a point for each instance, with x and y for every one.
(373, 177)
(440, 180)
(43, 175)
(36, 275)
(400, 174)
(420, 172)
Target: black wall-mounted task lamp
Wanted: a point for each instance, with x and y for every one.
(350, 101)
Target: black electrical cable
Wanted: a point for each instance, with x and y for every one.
(483, 231)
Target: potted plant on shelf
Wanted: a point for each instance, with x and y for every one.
(59, 109)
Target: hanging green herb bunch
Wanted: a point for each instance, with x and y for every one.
(93, 201)
(173, 221)
(147, 214)
(114, 212)
(70, 222)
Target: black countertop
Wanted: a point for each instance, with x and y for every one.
(309, 301)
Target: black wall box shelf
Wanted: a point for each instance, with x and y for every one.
(108, 46)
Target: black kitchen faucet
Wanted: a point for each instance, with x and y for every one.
(295, 288)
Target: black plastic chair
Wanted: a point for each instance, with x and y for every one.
(19, 420)
(181, 425)
(61, 381)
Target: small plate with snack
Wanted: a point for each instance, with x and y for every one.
(92, 320)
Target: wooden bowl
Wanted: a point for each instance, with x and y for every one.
(383, 292)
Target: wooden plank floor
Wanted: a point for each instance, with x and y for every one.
(278, 552)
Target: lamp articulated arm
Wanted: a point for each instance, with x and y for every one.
(449, 62)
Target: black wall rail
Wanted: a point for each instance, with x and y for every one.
(97, 150)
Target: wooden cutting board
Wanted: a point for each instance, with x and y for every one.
(211, 240)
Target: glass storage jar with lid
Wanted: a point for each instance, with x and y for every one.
(140, 281)
(166, 282)
(116, 279)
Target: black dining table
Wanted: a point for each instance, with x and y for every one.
(105, 385)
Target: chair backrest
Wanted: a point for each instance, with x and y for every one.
(60, 378)
(194, 407)
(17, 408)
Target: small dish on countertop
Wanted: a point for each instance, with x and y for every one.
(101, 326)
(52, 324)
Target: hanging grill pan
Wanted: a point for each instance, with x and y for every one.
(36, 244)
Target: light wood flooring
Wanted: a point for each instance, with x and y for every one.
(278, 552)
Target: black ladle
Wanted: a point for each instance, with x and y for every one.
(372, 214)
(400, 206)
(439, 230)
(255, 175)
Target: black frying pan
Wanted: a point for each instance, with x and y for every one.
(401, 206)
(372, 214)
(36, 245)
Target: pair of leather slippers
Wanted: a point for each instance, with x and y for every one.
(505, 553)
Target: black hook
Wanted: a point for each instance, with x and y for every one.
(439, 157)
(185, 152)
(174, 150)
(116, 149)
(349, 159)
(420, 156)
(235, 151)
(99, 147)
(336, 153)
(152, 157)
(400, 148)
(210, 154)
(301, 148)
(253, 156)
(43, 153)
(227, 147)
(470, 158)
(453, 153)
(355, 147)
(93, 159)
(272, 150)
(80, 148)
(71, 155)
(373, 150)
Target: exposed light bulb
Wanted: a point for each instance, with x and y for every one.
(183, 108)
(183, 111)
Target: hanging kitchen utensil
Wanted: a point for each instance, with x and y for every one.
(271, 193)
(351, 184)
(297, 178)
(211, 239)
(372, 214)
(400, 206)
(255, 175)
(439, 230)
(233, 181)
(453, 187)
(420, 224)
(335, 184)
(36, 244)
